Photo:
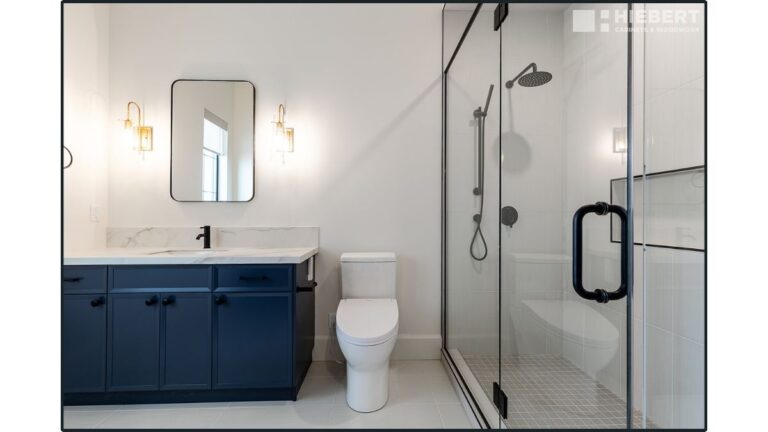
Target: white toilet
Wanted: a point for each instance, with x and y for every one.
(366, 326)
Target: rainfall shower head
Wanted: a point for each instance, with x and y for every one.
(532, 79)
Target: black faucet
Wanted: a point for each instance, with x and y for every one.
(206, 235)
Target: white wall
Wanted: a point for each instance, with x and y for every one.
(86, 121)
(361, 85)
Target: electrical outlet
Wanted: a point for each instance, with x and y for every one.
(332, 320)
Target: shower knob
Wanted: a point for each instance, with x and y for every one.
(477, 218)
(508, 215)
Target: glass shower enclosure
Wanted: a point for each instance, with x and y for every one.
(572, 297)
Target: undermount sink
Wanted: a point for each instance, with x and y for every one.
(187, 252)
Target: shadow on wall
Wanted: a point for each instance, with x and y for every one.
(365, 150)
(516, 149)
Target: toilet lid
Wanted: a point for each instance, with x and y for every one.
(366, 321)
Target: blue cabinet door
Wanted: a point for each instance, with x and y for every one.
(253, 340)
(186, 344)
(133, 342)
(84, 343)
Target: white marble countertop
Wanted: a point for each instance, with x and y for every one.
(170, 255)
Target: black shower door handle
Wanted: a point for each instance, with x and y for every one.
(600, 209)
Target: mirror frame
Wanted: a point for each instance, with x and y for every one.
(253, 140)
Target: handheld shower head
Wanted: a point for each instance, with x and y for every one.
(533, 79)
(479, 112)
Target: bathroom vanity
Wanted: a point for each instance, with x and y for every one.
(160, 326)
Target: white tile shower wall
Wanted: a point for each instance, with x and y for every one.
(86, 108)
(222, 237)
(361, 85)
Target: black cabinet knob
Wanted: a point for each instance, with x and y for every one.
(169, 300)
(73, 279)
(220, 299)
(98, 301)
(150, 301)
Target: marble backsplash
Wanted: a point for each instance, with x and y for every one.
(221, 237)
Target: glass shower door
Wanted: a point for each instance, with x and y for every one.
(564, 267)
(471, 201)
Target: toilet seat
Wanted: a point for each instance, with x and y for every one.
(366, 321)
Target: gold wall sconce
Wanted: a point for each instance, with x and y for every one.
(620, 140)
(140, 134)
(283, 134)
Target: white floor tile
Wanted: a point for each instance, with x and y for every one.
(78, 419)
(413, 388)
(421, 396)
(454, 416)
(289, 416)
(391, 416)
(417, 367)
(322, 390)
(163, 418)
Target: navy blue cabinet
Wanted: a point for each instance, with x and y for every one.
(186, 333)
(253, 340)
(133, 342)
(186, 341)
(84, 335)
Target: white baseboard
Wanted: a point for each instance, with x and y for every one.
(408, 347)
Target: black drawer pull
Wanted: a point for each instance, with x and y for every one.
(306, 288)
(169, 300)
(261, 278)
(150, 301)
(220, 299)
(73, 280)
(98, 301)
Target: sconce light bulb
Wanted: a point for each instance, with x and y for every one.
(283, 134)
(620, 140)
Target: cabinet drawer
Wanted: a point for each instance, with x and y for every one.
(84, 279)
(175, 278)
(241, 278)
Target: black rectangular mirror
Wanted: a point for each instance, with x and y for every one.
(212, 140)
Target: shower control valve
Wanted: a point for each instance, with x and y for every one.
(477, 218)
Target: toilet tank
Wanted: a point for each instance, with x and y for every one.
(368, 275)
